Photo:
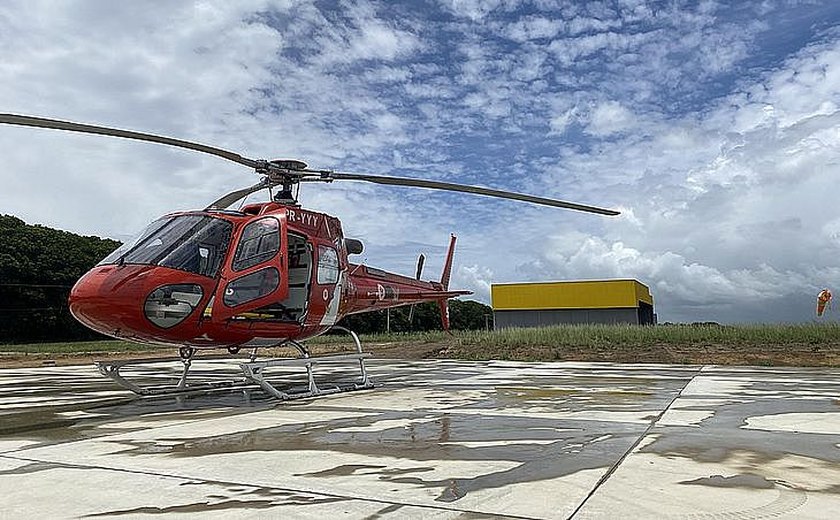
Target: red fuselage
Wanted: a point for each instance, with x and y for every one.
(251, 278)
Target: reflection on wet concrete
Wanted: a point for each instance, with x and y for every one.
(745, 481)
(765, 443)
(443, 438)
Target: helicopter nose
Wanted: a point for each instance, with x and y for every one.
(108, 299)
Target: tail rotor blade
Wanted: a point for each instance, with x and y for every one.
(420, 261)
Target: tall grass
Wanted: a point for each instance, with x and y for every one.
(633, 335)
(572, 336)
(620, 335)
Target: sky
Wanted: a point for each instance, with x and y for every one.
(714, 127)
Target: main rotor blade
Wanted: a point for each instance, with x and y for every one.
(40, 122)
(234, 196)
(448, 186)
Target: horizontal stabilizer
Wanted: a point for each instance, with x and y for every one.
(429, 295)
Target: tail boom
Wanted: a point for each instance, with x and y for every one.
(375, 289)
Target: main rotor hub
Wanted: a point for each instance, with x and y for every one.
(281, 171)
(289, 164)
(285, 172)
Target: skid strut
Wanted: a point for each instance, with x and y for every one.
(254, 371)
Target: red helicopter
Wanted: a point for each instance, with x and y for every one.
(264, 275)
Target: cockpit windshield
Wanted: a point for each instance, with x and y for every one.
(193, 243)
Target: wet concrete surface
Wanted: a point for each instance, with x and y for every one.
(438, 439)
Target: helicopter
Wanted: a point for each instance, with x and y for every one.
(267, 274)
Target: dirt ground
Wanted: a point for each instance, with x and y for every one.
(381, 350)
(761, 355)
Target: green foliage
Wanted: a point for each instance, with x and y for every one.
(596, 342)
(463, 315)
(618, 336)
(38, 266)
(611, 336)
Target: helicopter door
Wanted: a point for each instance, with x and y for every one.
(255, 274)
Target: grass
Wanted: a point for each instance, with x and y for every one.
(784, 344)
(631, 335)
(756, 344)
(75, 347)
(619, 335)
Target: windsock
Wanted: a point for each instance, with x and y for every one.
(822, 300)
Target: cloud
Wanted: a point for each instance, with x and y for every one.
(609, 118)
(713, 128)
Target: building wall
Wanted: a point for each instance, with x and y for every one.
(589, 294)
(569, 302)
(546, 317)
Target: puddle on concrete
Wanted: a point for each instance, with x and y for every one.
(723, 438)
(353, 469)
(787, 498)
(32, 467)
(341, 471)
(237, 498)
(720, 436)
(746, 480)
(540, 448)
(64, 423)
(570, 447)
(385, 511)
(197, 507)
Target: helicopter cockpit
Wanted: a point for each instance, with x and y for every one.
(188, 270)
(193, 243)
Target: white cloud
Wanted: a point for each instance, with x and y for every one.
(560, 122)
(477, 10)
(721, 148)
(534, 28)
(609, 118)
(478, 278)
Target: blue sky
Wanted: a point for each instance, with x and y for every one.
(712, 126)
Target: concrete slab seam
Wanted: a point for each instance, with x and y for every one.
(277, 488)
(638, 441)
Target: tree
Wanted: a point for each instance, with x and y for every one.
(463, 315)
(38, 267)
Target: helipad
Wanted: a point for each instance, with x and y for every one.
(439, 439)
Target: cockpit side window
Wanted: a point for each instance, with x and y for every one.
(327, 265)
(260, 242)
(128, 245)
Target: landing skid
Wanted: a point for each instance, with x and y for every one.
(111, 370)
(253, 371)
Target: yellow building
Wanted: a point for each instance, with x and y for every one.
(587, 301)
